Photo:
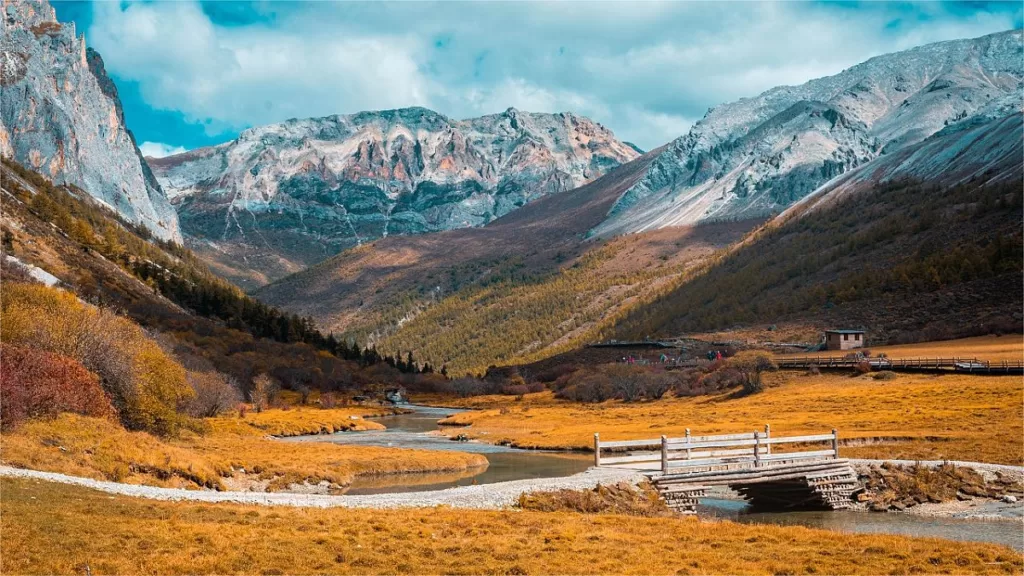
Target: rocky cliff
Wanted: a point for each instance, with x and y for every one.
(60, 115)
(759, 155)
(283, 196)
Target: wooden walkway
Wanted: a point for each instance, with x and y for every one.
(802, 476)
(959, 365)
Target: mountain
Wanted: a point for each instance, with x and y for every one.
(60, 114)
(524, 286)
(284, 196)
(759, 155)
(940, 120)
(921, 244)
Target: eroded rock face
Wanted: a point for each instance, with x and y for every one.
(60, 115)
(302, 190)
(759, 155)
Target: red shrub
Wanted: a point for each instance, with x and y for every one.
(35, 384)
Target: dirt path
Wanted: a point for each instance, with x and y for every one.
(497, 495)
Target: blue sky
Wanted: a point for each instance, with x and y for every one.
(192, 74)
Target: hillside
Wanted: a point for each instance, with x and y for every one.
(522, 286)
(61, 236)
(282, 197)
(759, 155)
(923, 244)
(60, 115)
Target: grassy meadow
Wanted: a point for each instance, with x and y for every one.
(232, 453)
(958, 417)
(50, 528)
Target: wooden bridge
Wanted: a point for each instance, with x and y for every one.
(682, 469)
(960, 365)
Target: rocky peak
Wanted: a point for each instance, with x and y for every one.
(758, 155)
(347, 179)
(60, 115)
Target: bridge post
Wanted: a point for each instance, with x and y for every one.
(664, 454)
(597, 450)
(768, 435)
(835, 443)
(687, 443)
(757, 449)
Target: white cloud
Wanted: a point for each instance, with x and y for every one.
(646, 70)
(159, 149)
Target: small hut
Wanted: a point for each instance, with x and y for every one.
(844, 339)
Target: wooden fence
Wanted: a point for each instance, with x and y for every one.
(689, 452)
(969, 365)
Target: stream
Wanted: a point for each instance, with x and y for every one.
(418, 430)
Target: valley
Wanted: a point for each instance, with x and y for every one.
(471, 329)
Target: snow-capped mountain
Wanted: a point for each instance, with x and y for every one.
(60, 115)
(290, 194)
(759, 155)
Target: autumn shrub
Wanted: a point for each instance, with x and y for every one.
(262, 392)
(585, 386)
(37, 384)
(884, 375)
(862, 367)
(215, 394)
(145, 385)
(750, 365)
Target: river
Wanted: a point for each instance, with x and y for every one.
(418, 430)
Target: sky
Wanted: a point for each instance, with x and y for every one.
(193, 74)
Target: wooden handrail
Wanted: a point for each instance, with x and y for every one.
(695, 451)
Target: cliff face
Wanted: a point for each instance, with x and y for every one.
(283, 196)
(759, 155)
(60, 115)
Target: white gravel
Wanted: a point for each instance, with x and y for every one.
(497, 495)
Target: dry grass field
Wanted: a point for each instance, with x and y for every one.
(54, 529)
(232, 454)
(299, 421)
(959, 417)
(992, 348)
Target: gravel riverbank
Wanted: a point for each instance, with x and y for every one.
(488, 496)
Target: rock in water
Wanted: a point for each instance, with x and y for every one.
(60, 115)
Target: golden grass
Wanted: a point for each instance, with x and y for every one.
(959, 417)
(307, 420)
(1008, 347)
(231, 455)
(49, 528)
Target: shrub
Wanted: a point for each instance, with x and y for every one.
(145, 385)
(862, 367)
(587, 387)
(627, 381)
(36, 384)
(656, 385)
(884, 375)
(261, 393)
(214, 394)
(750, 365)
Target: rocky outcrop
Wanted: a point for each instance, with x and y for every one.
(60, 115)
(759, 155)
(288, 195)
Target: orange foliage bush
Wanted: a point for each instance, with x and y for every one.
(145, 385)
(35, 384)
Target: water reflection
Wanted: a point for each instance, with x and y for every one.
(419, 430)
(1006, 532)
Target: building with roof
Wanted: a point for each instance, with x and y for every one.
(844, 339)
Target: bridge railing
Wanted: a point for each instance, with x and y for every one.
(753, 449)
(955, 363)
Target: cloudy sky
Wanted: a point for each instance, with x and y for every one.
(196, 73)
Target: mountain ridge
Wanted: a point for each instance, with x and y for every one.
(343, 180)
(758, 155)
(61, 115)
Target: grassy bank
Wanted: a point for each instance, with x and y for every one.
(49, 528)
(957, 417)
(234, 453)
